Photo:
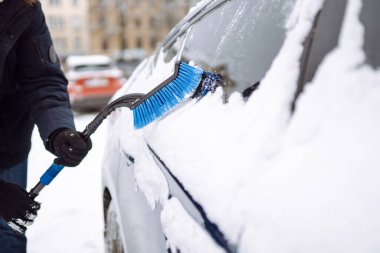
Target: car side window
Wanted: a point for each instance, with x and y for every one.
(239, 41)
(170, 52)
(163, 61)
(322, 39)
(370, 19)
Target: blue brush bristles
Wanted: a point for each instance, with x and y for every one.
(168, 96)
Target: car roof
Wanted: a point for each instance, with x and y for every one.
(77, 60)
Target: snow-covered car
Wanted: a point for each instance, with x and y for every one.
(283, 157)
(93, 80)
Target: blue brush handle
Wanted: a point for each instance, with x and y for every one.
(51, 173)
(124, 101)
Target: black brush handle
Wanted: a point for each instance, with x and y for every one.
(125, 101)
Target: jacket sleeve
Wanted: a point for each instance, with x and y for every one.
(41, 79)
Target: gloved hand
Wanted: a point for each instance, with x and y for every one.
(16, 206)
(69, 146)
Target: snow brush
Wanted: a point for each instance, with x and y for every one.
(174, 90)
(186, 81)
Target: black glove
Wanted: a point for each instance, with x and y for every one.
(16, 206)
(69, 146)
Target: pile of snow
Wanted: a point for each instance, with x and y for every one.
(306, 182)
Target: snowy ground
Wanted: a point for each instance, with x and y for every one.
(71, 216)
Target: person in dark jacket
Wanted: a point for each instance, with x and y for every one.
(33, 91)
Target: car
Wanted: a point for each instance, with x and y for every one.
(282, 157)
(93, 80)
(128, 59)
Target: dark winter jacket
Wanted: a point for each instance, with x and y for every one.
(33, 89)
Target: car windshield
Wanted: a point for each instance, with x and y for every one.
(92, 67)
(239, 40)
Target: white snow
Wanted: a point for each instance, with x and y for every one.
(71, 216)
(306, 182)
(174, 219)
(77, 60)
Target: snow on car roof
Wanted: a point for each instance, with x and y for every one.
(76, 60)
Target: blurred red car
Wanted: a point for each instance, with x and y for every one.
(93, 79)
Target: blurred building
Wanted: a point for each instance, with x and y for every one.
(68, 24)
(116, 25)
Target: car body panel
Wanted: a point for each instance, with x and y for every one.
(144, 233)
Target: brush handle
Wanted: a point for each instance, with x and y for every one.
(55, 169)
(51, 173)
(124, 101)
